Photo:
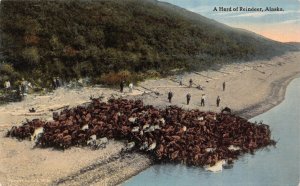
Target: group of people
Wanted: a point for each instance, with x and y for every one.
(170, 93)
(199, 86)
(122, 84)
(203, 97)
(190, 83)
(188, 99)
(22, 87)
(56, 82)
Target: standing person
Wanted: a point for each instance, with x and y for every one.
(218, 101)
(19, 93)
(54, 85)
(170, 95)
(121, 86)
(57, 82)
(130, 87)
(188, 98)
(23, 86)
(203, 100)
(191, 83)
(7, 85)
(224, 86)
(180, 80)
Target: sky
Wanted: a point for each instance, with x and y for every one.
(277, 25)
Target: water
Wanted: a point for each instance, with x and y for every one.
(268, 167)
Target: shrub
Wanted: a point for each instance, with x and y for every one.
(7, 72)
(31, 55)
(114, 78)
(7, 69)
(31, 39)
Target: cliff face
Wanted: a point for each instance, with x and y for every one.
(73, 39)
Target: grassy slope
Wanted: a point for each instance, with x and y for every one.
(73, 39)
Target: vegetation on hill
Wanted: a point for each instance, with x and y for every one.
(109, 38)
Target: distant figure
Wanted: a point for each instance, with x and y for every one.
(199, 87)
(191, 83)
(25, 85)
(218, 101)
(7, 85)
(19, 95)
(130, 87)
(224, 86)
(121, 86)
(57, 82)
(20, 91)
(170, 95)
(203, 100)
(188, 98)
(32, 110)
(54, 83)
(180, 82)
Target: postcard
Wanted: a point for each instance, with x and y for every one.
(148, 92)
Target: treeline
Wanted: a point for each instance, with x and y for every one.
(101, 39)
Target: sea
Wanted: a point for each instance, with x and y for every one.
(271, 166)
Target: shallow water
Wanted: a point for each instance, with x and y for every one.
(271, 166)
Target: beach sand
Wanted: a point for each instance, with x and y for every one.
(251, 88)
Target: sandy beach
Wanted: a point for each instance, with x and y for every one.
(251, 88)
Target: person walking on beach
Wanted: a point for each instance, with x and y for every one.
(170, 95)
(224, 86)
(121, 86)
(218, 101)
(188, 98)
(191, 83)
(203, 100)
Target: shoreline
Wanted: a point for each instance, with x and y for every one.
(277, 95)
(274, 98)
(249, 92)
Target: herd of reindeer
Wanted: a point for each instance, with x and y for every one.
(172, 134)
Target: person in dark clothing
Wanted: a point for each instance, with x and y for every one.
(170, 95)
(57, 82)
(121, 86)
(54, 83)
(191, 83)
(23, 89)
(203, 100)
(188, 98)
(19, 95)
(218, 101)
(224, 86)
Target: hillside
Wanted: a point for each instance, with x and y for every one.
(294, 44)
(105, 39)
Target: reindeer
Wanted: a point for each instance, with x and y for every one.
(97, 143)
(37, 134)
(226, 110)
